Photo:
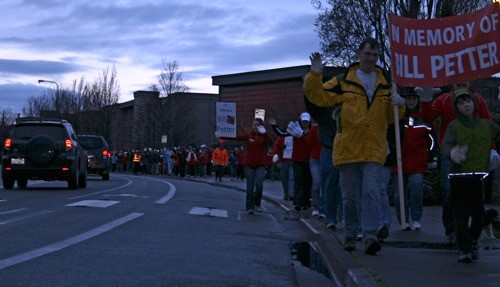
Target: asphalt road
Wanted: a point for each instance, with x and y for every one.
(144, 231)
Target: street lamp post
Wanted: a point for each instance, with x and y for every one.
(57, 92)
(47, 81)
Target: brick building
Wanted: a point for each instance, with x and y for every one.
(277, 91)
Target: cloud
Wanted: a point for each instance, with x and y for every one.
(28, 67)
(15, 95)
(64, 40)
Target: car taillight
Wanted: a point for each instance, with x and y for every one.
(7, 144)
(68, 144)
(106, 153)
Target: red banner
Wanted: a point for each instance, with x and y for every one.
(445, 51)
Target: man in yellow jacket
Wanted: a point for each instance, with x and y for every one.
(360, 145)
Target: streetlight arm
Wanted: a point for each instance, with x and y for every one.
(47, 81)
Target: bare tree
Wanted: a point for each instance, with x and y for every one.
(95, 101)
(171, 79)
(343, 24)
(173, 116)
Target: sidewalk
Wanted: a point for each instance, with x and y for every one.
(408, 258)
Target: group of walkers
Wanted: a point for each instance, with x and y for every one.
(339, 156)
(182, 161)
(363, 156)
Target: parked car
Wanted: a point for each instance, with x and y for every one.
(43, 149)
(99, 157)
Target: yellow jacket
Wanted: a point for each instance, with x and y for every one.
(361, 136)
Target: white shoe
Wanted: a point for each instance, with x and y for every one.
(321, 215)
(315, 213)
(417, 225)
(258, 208)
(359, 237)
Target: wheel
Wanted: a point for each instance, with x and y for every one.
(73, 180)
(41, 150)
(8, 182)
(22, 182)
(105, 175)
(82, 181)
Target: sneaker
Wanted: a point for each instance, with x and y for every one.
(359, 237)
(331, 226)
(383, 233)
(417, 225)
(407, 228)
(251, 211)
(315, 213)
(321, 215)
(349, 244)
(372, 246)
(474, 253)
(258, 208)
(464, 257)
(451, 238)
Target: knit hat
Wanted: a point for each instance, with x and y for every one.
(462, 93)
(408, 92)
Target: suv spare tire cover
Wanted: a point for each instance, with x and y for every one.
(41, 150)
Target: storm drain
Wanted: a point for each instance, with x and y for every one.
(305, 253)
(208, 211)
(94, 203)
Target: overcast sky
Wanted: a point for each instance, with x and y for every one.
(63, 41)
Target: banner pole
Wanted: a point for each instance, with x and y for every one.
(399, 162)
(398, 148)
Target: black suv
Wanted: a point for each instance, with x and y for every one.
(43, 149)
(98, 155)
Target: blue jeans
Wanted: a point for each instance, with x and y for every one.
(447, 216)
(255, 185)
(286, 172)
(385, 206)
(413, 187)
(316, 196)
(332, 196)
(361, 191)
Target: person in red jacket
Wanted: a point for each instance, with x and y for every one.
(255, 162)
(282, 153)
(301, 155)
(204, 157)
(442, 107)
(240, 170)
(418, 153)
(191, 161)
(316, 197)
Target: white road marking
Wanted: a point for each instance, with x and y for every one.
(94, 203)
(208, 212)
(13, 211)
(129, 182)
(25, 216)
(4, 263)
(170, 194)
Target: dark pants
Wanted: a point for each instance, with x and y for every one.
(219, 172)
(302, 184)
(467, 201)
(447, 215)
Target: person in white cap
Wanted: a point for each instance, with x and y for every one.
(301, 154)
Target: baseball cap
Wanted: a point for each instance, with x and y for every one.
(305, 117)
